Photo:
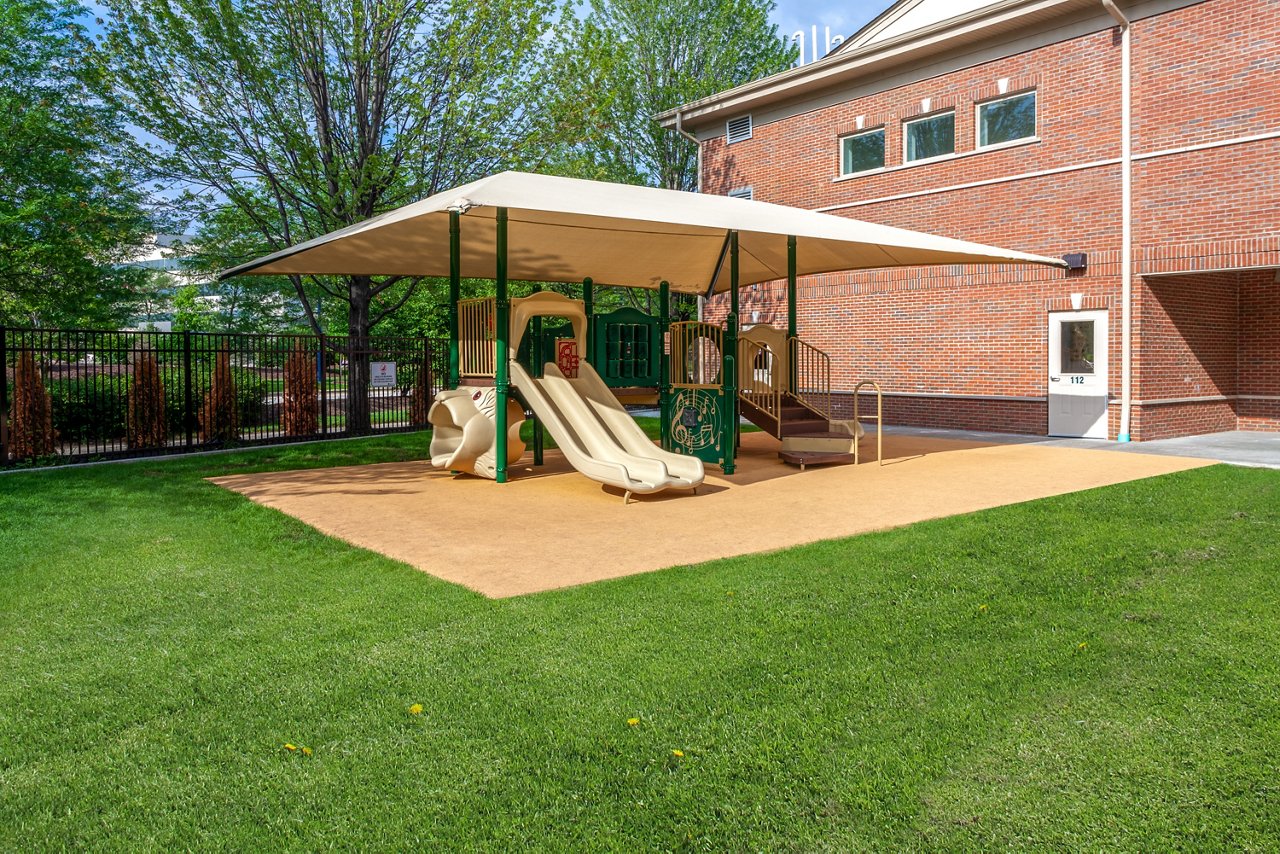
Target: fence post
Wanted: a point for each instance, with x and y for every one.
(188, 411)
(324, 386)
(4, 396)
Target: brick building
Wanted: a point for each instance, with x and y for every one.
(1021, 123)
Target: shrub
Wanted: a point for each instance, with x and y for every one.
(148, 419)
(90, 409)
(300, 400)
(220, 415)
(31, 419)
(421, 397)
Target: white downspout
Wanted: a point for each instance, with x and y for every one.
(684, 133)
(1126, 220)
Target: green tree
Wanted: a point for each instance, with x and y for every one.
(70, 212)
(310, 115)
(659, 54)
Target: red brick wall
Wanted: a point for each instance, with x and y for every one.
(1205, 73)
(1259, 351)
(1202, 74)
(1214, 194)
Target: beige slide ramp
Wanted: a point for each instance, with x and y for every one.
(624, 430)
(595, 441)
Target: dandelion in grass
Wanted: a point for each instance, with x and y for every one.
(982, 609)
(290, 747)
(1082, 646)
(306, 751)
(633, 721)
(678, 754)
(415, 709)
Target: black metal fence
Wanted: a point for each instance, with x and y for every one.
(114, 395)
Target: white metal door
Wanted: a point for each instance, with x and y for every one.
(1078, 374)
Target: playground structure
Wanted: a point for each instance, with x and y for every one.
(567, 396)
(547, 229)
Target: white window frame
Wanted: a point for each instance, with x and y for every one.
(1008, 143)
(925, 118)
(883, 130)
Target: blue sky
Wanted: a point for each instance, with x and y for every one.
(844, 18)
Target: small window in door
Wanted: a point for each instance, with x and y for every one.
(1077, 347)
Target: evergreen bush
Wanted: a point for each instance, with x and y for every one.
(299, 417)
(220, 414)
(148, 418)
(421, 397)
(31, 432)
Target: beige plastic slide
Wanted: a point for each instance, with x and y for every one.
(598, 437)
(463, 434)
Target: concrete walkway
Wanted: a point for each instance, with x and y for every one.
(1236, 447)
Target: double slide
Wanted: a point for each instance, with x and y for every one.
(597, 436)
(594, 432)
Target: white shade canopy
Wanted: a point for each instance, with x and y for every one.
(568, 229)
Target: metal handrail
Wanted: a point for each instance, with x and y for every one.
(763, 392)
(811, 372)
(879, 419)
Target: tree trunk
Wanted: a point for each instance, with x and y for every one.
(358, 422)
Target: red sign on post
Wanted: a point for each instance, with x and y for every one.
(567, 357)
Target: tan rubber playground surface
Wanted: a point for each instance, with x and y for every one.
(551, 527)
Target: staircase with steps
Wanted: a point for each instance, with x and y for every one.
(808, 437)
(784, 389)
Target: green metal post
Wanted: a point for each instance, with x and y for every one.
(501, 322)
(535, 370)
(455, 293)
(791, 287)
(588, 308)
(791, 311)
(730, 370)
(664, 364)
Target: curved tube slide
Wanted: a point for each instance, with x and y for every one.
(463, 431)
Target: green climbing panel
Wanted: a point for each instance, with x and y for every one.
(625, 347)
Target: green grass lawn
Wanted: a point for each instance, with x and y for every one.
(1091, 672)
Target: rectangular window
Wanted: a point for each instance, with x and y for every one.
(862, 152)
(1007, 120)
(934, 136)
(741, 193)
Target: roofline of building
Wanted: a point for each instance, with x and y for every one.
(843, 67)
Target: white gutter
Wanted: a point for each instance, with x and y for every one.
(1126, 221)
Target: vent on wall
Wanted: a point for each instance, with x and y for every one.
(736, 130)
(741, 193)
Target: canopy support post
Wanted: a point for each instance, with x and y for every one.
(455, 293)
(664, 365)
(729, 372)
(535, 370)
(791, 286)
(588, 308)
(502, 310)
(792, 326)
